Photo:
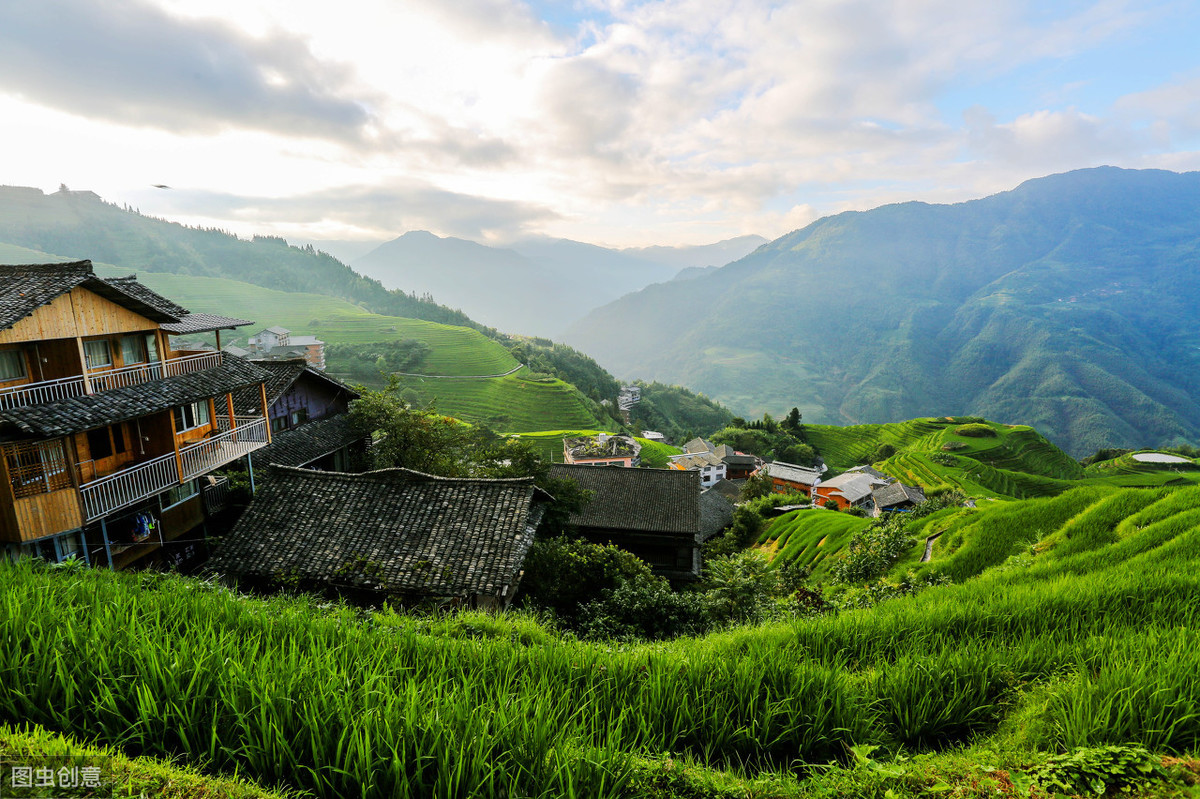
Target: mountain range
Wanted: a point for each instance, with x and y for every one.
(534, 286)
(1069, 303)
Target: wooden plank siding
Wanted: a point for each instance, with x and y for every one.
(41, 515)
(76, 314)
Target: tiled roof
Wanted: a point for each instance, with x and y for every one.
(308, 442)
(792, 473)
(25, 288)
(698, 445)
(897, 494)
(852, 485)
(656, 500)
(716, 513)
(730, 489)
(130, 285)
(393, 530)
(872, 471)
(282, 374)
(203, 323)
(77, 414)
(696, 461)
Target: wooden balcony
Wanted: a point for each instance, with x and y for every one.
(112, 492)
(105, 380)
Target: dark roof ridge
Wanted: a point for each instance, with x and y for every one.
(396, 474)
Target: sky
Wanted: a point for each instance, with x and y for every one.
(616, 122)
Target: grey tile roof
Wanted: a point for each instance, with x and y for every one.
(730, 489)
(130, 285)
(393, 530)
(203, 323)
(897, 494)
(872, 471)
(282, 375)
(698, 445)
(716, 513)
(696, 461)
(793, 473)
(308, 442)
(655, 500)
(852, 485)
(25, 288)
(77, 414)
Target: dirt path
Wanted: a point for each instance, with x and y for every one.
(929, 547)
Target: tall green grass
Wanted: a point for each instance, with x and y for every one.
(345, 703)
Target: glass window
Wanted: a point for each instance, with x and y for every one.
(37, 468)
(190, 416)
(299, 417)
(133, 350)
(12, 365)
(97, 353)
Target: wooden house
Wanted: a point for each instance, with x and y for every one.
(652, 513)
(853, 488)
(388, 534)
(789, 478)
(306, 410)
(105, 427)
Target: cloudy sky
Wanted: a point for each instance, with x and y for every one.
(617, 122)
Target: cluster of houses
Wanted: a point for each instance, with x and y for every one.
(112, 433)
(860, 487)
(280, 344)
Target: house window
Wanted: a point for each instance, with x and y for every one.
(191, 416)
(133, 350)
(299, 417)
(279, 423)
(12, 365)
(37, 468)
(97, 354)
(99, 443)
(180, 493)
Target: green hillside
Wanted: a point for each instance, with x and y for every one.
(516, 403)
(79, 225)
(809, 538)
(1072, 624)
(1066, 304)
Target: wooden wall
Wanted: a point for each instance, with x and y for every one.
(77, 313)
(41, 515)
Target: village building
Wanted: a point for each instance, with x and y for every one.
(306, 410)
(716, 513)
(736, 465)
(106, 426)
(710, 467)
(896, 497)
(652, 513)
(849, 489)
(652, 435)
(602, 450)
(730, 489)
(394, 534)
(279, 344)
(790, 478)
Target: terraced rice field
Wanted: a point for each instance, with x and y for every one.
(810, 537)
(514, 404)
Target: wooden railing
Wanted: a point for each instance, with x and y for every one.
(105, 380)
(211, 453)
(107, 494)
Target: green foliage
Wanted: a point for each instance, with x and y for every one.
(873, 551)
(676, 412)
(741, 588)
(563, 574)
(1098, 770)
(975, 430)
(640, 608)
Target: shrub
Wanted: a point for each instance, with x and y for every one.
(643, 607)
(1098, 770)
(872, 551)
(562, 575)
(830, 504)
(953, 446)
(975, 430)
(944, 459)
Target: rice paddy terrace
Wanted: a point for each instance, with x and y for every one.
(1072, 622)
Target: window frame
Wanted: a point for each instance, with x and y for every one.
(185, 413)
(87, 353)
(20, 361)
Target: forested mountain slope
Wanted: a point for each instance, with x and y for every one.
(1068, 304)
